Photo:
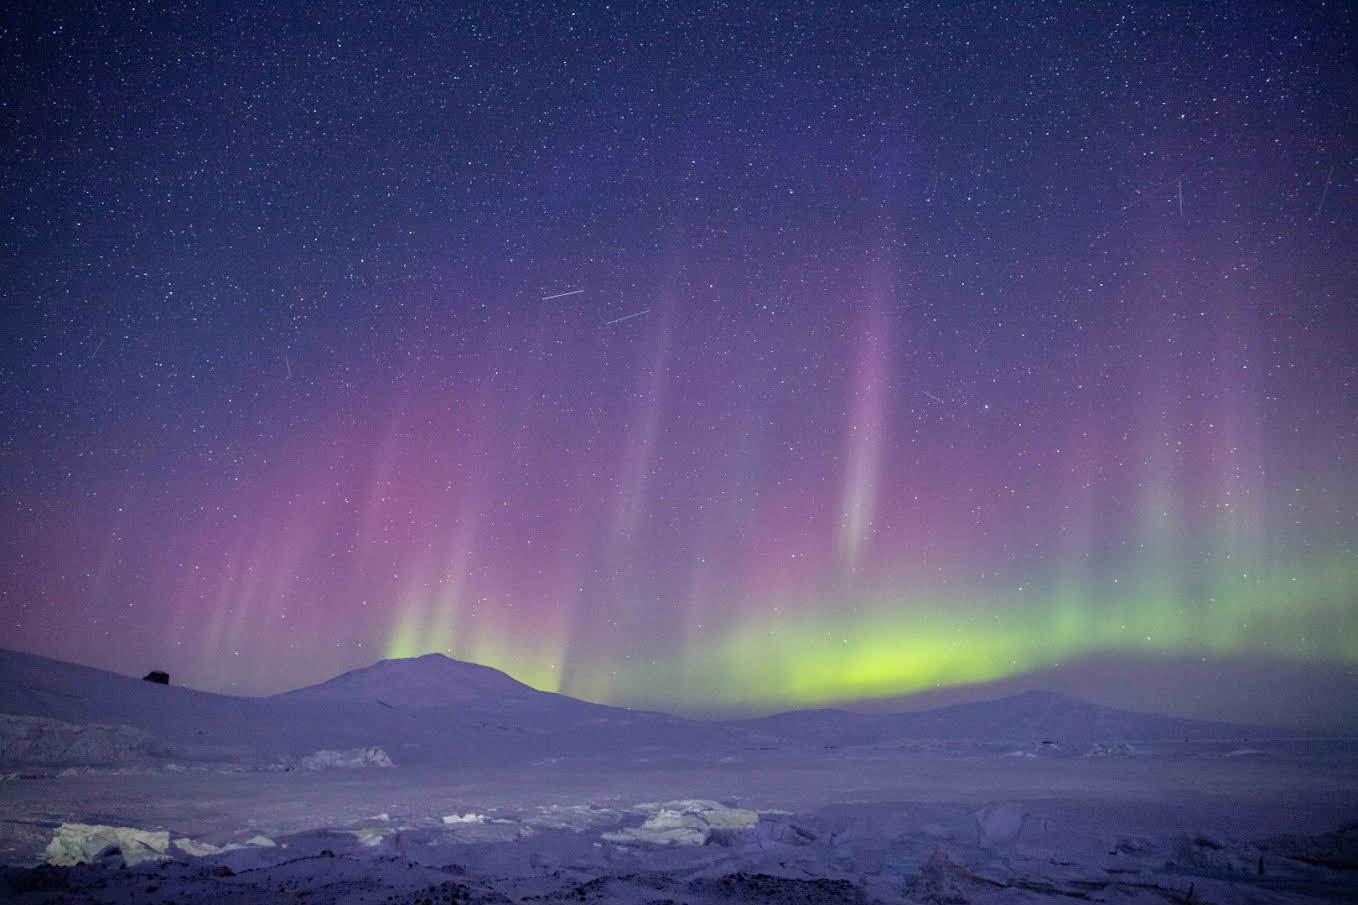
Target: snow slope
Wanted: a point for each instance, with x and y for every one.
(434, 709)
(28, 740)
(424, 710)
(1034, 721)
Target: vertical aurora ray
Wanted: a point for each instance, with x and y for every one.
(864, 439)
(639, 440)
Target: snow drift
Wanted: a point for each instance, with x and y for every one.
(40, 741)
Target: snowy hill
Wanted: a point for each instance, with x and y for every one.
(1029, 718)
(436, 710)
(428, 709)
(1047, 714)
(432, 680)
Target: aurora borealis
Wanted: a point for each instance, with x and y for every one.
(691, 356)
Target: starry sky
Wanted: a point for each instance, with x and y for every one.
(711, 357)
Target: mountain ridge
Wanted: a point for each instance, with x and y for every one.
(373, 703)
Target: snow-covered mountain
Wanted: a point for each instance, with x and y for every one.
(429, 709)
(432, 680)
(1047, 714)
(436, 710)
(1028, 718)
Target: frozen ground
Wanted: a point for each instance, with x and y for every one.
(512, 796)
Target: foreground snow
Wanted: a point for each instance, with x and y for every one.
(870, 827)
(774, 859)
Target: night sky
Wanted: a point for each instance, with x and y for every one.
(701, 356)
